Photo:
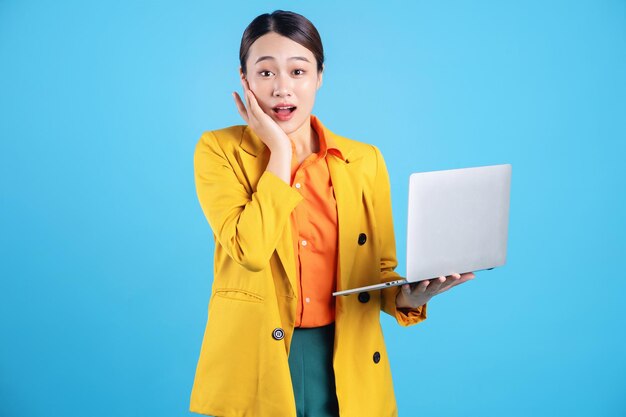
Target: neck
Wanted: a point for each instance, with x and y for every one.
(305, 138)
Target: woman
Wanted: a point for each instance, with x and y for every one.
(297, 212)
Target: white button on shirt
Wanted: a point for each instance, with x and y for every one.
(308, 300)
(304, 243)
(298, 185)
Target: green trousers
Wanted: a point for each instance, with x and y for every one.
(312, 375)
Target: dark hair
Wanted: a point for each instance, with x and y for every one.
(289, 24)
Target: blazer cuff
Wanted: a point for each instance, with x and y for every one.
(410, 316)
(270, 183)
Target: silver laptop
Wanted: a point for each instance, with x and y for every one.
(457, 222)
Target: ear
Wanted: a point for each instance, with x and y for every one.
(319, 77)
(241, 72)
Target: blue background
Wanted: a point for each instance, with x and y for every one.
(107, 257)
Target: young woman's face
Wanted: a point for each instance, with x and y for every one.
(281, 71)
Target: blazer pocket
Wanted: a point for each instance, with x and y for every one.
(238, 294)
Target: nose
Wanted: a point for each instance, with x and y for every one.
(282, 85)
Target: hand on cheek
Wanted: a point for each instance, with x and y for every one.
(260, 122)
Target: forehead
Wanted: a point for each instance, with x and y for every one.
(277, 46)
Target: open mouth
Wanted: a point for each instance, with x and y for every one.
(284, 110)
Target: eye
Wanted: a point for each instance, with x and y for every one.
(262, 72)
(301, 71)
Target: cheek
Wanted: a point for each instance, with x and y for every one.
(308, 85)
(259, 93)
(307, 90)
(254, 87)
(264, 106)
(257, 86)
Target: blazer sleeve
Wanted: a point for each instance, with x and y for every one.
(388, 260)
(247, 225)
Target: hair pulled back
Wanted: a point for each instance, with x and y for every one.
(289, 24)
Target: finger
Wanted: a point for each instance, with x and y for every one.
(435, 284)
(466, 277)
(463, 278)
(421, 287)
(451, 281)
(446, 286)
(406, 289)
(240, 107)
(246, 94)
(253, 104)
(256, 108)
(247, 90)
(445, 283)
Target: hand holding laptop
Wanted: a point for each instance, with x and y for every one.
(440, 239)
(419, 293)
(443, 237)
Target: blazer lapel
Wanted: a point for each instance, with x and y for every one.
(346, 179)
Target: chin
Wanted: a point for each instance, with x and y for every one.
(292, 125)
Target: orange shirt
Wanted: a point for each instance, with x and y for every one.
(314, 225)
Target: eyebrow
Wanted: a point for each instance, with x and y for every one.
(267, 57)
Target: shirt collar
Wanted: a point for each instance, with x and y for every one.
(327, 141)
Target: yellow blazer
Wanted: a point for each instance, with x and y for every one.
(243, 366)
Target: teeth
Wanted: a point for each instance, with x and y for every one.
(284, 108)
